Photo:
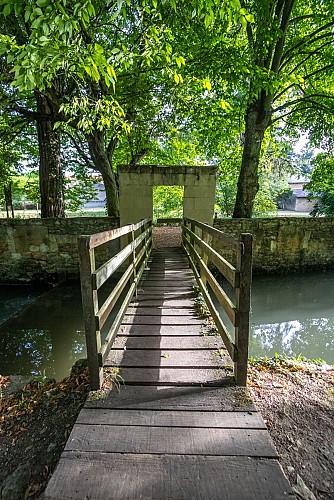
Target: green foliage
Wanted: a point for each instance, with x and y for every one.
(322, 175)
(321, 185)
(24, 187)
(324, 205)
(80, 190)
(171, 81)
(283, 363)
(167, 201)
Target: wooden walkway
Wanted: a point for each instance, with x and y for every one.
(177, 428)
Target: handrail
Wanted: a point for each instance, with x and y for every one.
(197, 243)
(135, 254)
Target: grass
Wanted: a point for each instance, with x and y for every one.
(283, 363)
(36, 214)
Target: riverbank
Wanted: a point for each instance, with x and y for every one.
(296, 399)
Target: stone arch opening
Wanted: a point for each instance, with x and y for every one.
(136, 190)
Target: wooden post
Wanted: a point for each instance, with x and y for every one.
(192, 229)
(90, 308)
(243, 297)
(134, 263)
(147, 235)
(205, 258)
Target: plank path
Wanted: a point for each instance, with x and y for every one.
(176, 427)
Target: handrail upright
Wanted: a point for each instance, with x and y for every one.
(200, 252)
(90, 309)
(136, 254)
(243, 303)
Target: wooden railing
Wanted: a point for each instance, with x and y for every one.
(134, 256)
(197, 238)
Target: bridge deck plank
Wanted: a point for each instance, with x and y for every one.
(165, 358)
(182, 477)
(179, 343)
(175, 426)
(159, 418)
(158, 329)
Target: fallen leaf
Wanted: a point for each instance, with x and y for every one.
(302, 490)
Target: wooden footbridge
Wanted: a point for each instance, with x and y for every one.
(175, 424)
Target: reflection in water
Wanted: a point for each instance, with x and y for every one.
(290, 314)
(293, 315)
(14, 298)
(47, 337)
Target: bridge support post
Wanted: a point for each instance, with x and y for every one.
(90, 308)
(243, 297)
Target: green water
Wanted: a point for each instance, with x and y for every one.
(292, 315)
(45, 338)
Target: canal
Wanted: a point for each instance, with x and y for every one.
(42, 331)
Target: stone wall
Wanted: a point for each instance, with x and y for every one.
(46, 249)
(286, 244)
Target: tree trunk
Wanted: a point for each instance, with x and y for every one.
(257, 120)
(50, 172)
(9, 199)
(103, 164)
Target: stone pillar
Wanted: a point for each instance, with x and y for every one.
(135, 197)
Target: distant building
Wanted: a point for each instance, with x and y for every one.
(99, 199)
(298, 202)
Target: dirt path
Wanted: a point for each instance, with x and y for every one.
(296, 401)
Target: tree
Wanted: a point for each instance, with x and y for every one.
(11, 157)
(31, 104)
(290, 50)
(118, 65)
(68, 56)
(273, 67)
(321, 185)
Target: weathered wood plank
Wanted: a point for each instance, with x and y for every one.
(162, 320)
(227, 398)
(183, 311)
(218, 235)
(175, 376)
(166, 477)
(172, 342)
(156, 418)
(163, 271)
(169, 272)
(165, 283)
(171, 440)
(162, 290)
(184, 291)
(158, 358)
(162, 303)
(158, 329)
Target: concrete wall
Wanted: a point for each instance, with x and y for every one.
(136, 190)
(46, 249)
(287, 244)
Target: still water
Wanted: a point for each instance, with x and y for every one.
(14, 298)
(44, 338)
(293, 314)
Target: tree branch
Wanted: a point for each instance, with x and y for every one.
(326, 35)
(305, 99)
(79, 149)
(310, 55)
(307, 39)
